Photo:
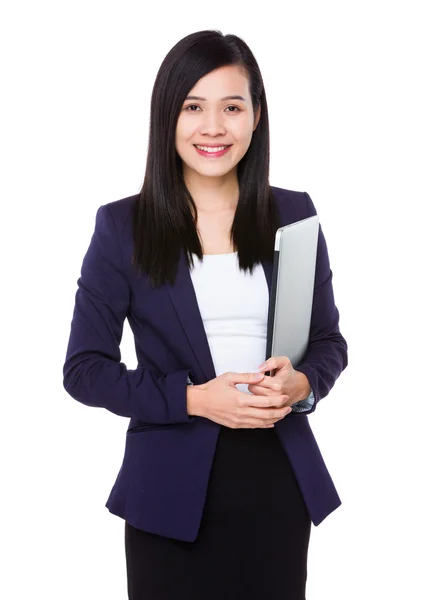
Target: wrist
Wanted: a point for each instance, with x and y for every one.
(195, 400)
(303, 387)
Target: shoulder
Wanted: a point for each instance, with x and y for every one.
(121, 210)
(293, 205)
(118, 214)
(285, 195)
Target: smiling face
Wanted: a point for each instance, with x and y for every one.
(220, 114)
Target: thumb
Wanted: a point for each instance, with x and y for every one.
(275, 363)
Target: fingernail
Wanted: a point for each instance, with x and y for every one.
(257, 375)
(262, 366)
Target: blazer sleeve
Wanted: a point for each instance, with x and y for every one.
(93, 372)
(326, 356)
(302, 405)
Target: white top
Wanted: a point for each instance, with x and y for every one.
(234, 308)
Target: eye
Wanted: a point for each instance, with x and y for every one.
(196, 105)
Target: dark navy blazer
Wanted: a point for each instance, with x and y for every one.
(162, 483)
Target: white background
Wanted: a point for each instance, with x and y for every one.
(343, 87)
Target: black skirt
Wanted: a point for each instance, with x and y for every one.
(253, 539)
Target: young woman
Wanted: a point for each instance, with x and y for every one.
(221, 476)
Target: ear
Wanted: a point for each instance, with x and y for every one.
(258, 115)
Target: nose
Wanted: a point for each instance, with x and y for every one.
(212, 123)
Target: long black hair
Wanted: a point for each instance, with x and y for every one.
(165, 215)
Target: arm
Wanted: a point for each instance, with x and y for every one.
(92, 372)
(326, 356)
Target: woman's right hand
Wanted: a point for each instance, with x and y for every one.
(220, 401)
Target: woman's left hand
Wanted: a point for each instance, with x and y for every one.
(284, 379)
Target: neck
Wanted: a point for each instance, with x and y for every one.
(213, 194)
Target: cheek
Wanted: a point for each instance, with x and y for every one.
(185, 129)
(242, 132)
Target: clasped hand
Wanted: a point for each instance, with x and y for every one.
(220, 401)
(283, 380)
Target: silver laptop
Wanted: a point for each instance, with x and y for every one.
(292, 288)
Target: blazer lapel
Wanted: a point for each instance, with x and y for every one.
(183, 297)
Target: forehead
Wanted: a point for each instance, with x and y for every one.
(222, 83)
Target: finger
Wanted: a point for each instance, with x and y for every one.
(235, 378)
(268, 415)
(262, 401)
(265, 387)
(259, 422)
(259, 390)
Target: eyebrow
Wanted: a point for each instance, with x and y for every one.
(222, 99)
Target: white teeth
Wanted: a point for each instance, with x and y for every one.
(208, 149)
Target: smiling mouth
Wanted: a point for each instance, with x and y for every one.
(212, 150)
